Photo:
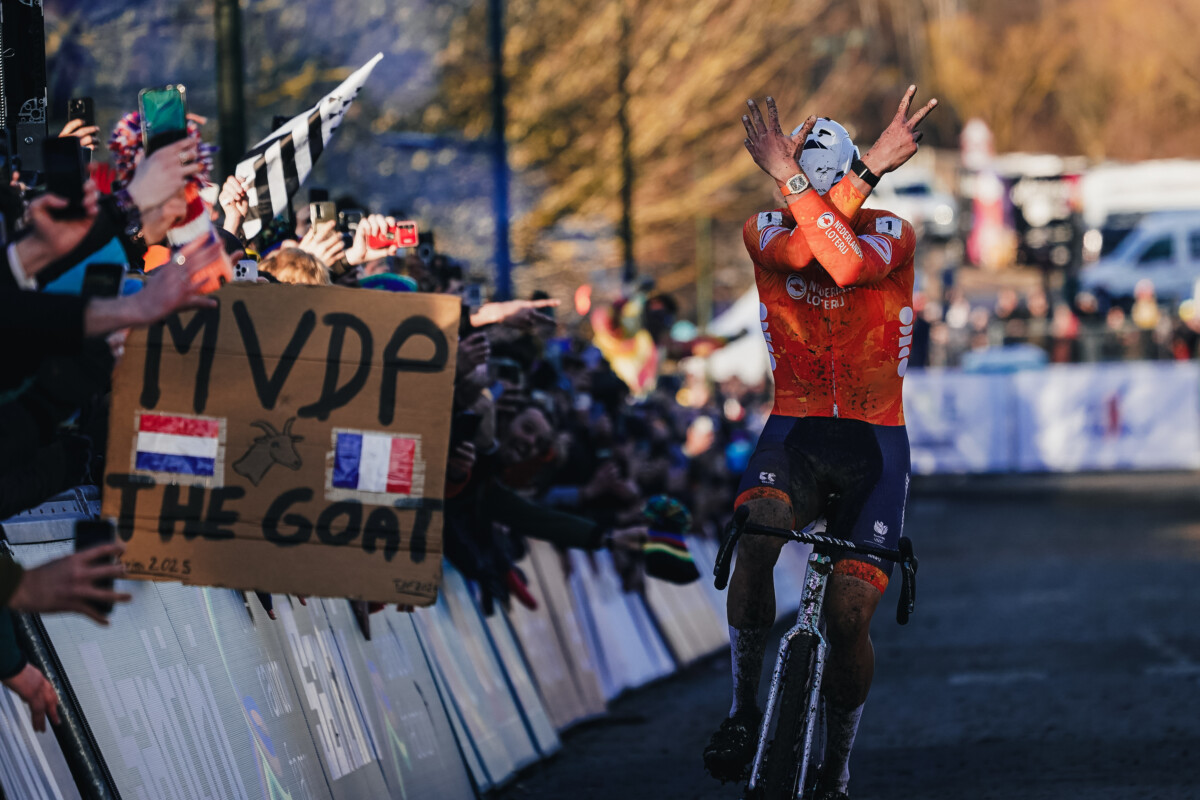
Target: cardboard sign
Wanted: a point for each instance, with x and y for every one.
(292, 440)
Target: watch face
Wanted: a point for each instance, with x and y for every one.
(797, 183)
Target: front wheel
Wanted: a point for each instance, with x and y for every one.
(781, 772)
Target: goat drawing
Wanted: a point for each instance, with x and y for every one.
(273, 448)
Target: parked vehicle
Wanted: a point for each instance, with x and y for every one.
(913, 197)
(1164, 249)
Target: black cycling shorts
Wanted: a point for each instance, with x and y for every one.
(803, 460)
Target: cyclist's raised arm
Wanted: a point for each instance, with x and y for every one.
(850, 259)
(776, 246)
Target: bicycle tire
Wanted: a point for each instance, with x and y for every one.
(781, 769)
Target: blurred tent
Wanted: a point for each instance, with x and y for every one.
(744, 358)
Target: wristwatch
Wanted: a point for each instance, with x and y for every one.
(796, 184)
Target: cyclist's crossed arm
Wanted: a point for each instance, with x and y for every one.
(777, 249)
(849, 258)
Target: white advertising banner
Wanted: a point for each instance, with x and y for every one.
(1128, 415)
(959, 422)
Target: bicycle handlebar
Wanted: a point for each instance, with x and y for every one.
(903, 555)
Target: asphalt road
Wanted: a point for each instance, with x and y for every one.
(1054, 653)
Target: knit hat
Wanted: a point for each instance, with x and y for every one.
(667, 556)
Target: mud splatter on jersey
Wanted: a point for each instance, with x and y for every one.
(835, 286)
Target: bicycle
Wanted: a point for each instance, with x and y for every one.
(796, 708)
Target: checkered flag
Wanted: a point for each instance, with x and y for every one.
(275, 167)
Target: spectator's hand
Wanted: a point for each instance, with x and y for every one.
(607, 482)
(162, 217)
(898, 142)
(86, 134)
(631, 539)
(163, 174)
(177, 286)
(69, 584)
(530, 320)
(604, 479)
(492, 313)
(234, 202)
(773, 150)
(472, 351)
(371, 225)
(116, 344)
(52, 238)
(461, 462)
(32, 687)
(324, 242)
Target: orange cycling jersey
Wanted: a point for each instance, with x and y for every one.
(835, 287)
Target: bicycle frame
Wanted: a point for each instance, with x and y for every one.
(816, 575)
(808, 623)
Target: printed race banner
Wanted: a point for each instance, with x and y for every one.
(1131, 415)
(959, 422)
(282, 441)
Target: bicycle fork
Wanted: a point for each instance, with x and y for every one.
(808, 622)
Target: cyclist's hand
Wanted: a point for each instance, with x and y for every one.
(898, 143)
(773, 150)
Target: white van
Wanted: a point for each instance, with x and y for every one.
(912, 196)
(1164, 248)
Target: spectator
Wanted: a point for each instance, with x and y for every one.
(293, 265)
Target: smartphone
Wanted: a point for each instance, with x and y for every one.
(317, 195)
(473, 295)
(83, 109)
(246, 270)
(402, 234)
(62, 159)
(322, 211)
(347, 224)
(102, 279)
(164, 116)
(463, 427)
(425, 248)
(508, 371)
(91, 533)
(348, 220)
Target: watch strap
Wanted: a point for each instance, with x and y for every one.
(863, 171)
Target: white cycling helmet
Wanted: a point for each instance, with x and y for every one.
(826, 154)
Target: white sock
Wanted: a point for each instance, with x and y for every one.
(746, 647)
(840, 728)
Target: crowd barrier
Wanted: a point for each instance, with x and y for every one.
(1063, 418)
(195, 693)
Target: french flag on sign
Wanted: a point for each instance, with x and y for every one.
(180, 445)
(374, 462)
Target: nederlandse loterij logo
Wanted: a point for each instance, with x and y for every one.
(796, 287)
(825, 220)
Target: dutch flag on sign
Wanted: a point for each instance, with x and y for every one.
(179, 445)
(374, 462)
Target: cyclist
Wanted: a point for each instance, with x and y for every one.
(835, 283)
